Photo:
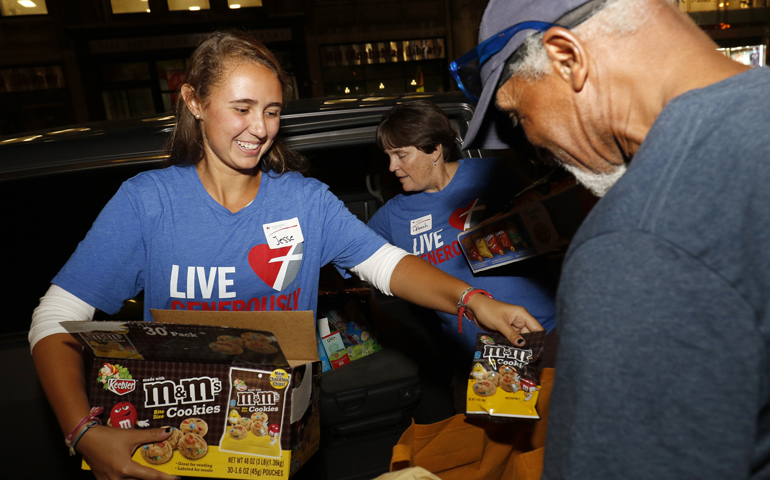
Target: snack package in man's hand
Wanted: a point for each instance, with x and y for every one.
(503, 383)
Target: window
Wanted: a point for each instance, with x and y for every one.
(139, 88)
(752, 55)
(23, 7)
(715, 5)
(128, 103)
(170, 79)
(243, 3)
(31, 78)
(130, 6)
(37, 95)
(192, 5)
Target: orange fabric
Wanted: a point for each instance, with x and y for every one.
(461, 449)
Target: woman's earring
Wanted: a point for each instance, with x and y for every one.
(197, 117)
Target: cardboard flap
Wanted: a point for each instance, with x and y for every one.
(295, 331)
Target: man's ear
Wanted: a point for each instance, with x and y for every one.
(188, 94)
(568, 56)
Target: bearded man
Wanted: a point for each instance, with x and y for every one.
(663, 306)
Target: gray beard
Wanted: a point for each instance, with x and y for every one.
(597, 183)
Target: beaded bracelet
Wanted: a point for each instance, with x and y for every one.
(92, 416)
(463, 305)
(77, 439)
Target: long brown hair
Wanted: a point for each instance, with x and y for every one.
(205, 70)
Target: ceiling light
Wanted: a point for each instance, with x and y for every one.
(27, 3)
(195, 9)
(235, 5)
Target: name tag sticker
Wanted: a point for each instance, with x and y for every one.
(284, 233)
(422, 224)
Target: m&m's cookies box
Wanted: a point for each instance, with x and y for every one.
(239, 389)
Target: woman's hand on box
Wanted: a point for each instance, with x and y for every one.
(108, 452)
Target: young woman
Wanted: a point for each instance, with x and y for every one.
(447, 197)
(201, 230)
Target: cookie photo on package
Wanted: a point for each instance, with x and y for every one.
(503, 382)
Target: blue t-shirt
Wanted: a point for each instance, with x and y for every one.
(663, 369)
(164, 234)
(479, 188)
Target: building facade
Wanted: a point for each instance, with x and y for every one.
(63, 63)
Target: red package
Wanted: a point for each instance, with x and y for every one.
(471, 249)
(491, 241)
(502, 237)
(481, 246)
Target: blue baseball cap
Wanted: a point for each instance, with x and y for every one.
(499, 15)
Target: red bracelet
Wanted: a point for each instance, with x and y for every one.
(91, 417)
(463, 305)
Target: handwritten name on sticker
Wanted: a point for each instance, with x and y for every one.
(421, 224)
(284, 233)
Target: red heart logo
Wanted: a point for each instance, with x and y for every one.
(469, 215)
(276, 267)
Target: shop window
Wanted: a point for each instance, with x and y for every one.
(31, 78)
(353, 89)
(127, 103)
(191, 5)
(36, 95)
(130, 6)
(243, 3)
(385, 79)
(170, 80)
(752, 55)
(125, 72)
(384, 68)
(714, 5)
(351, 74)
(23, 7)
(385, 87)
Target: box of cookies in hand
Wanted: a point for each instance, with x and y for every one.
(240, 389)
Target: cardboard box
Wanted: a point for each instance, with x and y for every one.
(524, 232)
(243, 409)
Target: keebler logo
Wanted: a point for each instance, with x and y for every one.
(121, 386)
(276, 267)
(468, 215)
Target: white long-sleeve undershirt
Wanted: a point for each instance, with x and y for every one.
(59, 305)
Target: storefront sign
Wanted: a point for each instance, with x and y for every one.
(382, 52)
(177, 41)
